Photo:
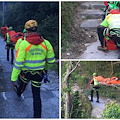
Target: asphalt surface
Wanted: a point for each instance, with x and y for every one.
(13, 107)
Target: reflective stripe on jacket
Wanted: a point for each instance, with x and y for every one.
(113, 21)
(33, 57)
(7, 37)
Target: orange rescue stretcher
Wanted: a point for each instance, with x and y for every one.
(108, 81)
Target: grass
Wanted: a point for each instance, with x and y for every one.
(67, 15)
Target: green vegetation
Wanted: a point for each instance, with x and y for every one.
(67, 16)
(81, 107)
(45, 13)
(112, 111)
(82, 75)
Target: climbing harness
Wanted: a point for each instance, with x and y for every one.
(35, 83)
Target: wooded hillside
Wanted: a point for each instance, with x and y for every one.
(82, 75)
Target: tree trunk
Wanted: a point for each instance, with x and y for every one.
(67, 99)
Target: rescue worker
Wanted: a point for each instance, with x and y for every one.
(110, 5)
(94, 87)
(110, 28)
(21, 39)
(34, 56)
(9, 44)
(4, 30)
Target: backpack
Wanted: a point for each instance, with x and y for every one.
(14, 38)
(4, 30)
(110, 44)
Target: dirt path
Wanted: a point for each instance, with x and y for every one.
(93, 53)
(98, 108)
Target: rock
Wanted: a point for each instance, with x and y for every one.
(93, 5)
(92, 14)
(90, 23)
(68, 53)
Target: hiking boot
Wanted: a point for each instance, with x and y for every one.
(91, 100)
(97, 101)
(102, 48)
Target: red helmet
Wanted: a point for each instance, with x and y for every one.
(114, 11)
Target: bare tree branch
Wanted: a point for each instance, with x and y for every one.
(74, 68)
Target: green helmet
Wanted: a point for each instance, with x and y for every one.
(10, 28)
(24, 31)
(113, 6)
(94, 74)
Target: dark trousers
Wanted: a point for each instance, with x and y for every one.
(12, 55)
(97, 94)
(114, 38)
(35, 85)
(100, 30)
(8, 47)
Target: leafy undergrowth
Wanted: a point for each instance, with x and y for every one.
(112, 111)
(80, 106)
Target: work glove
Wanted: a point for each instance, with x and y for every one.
(18, 92)
(45, 78)
(15, 86)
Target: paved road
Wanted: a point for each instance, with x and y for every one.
(13, 107)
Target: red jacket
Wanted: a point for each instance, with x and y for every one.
(92, 81)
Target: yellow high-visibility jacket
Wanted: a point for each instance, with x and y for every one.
(112, 21)
(33, 57)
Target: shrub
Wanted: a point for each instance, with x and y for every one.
(112, 111)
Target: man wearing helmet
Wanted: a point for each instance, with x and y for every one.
(9, 44)
(94, 86)
(20, 39)
(110, 28)
(109, 6)
(33, 56)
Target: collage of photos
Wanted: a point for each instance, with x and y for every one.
(60, 59)
(90, 65)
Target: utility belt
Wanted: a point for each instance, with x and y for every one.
(32, 72)
(96, 86)
(110, 32)
(115, 31)
(9, 45)
(35, 76)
